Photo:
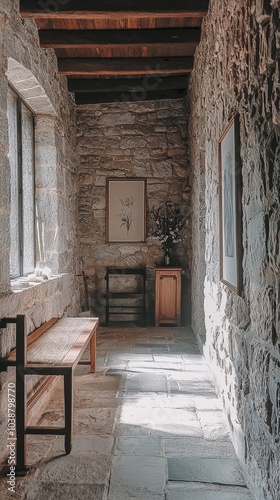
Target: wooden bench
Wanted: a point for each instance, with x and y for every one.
(53, 349)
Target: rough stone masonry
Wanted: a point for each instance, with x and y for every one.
(131, 139)
(33, 73)
(237, 71)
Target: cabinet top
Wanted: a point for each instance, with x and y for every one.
(168, 268)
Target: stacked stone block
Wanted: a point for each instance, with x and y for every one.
(237, 71)
(33, 73)
(136, 139)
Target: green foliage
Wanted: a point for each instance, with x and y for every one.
(168, 221)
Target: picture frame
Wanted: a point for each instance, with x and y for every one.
(230, 205)
(125, 210)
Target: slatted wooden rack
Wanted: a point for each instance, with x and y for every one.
(122, 303)
(53, 349)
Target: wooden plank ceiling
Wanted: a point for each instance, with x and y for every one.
(125, 50)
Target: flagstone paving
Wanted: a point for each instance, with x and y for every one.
(148, 425)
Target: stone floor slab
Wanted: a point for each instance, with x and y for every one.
(133, 478)
(137, 414)
(205, 470)
(54, 491)
(101, 382)
(95, 399)
(154, 367)
(145, 446)
(76, 469)
(146, 382)
(161, 420)
(139, 396)
(213, 424)
(37, 453)
(87, 444)
(86, 420)
(178, 491)
(122, 429)
(197, 447)
(192, 387)
(207, 404)
(191, 429)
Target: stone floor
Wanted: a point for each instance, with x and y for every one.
(148, 426)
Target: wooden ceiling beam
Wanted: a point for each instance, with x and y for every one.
(117, 67)
(132, 52)
(102, 23)
(105, 97)
(110, 9)
(114, 38)
(147, 84)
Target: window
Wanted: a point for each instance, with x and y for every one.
(21, 157)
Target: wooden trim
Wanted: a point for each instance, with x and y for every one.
(77, 350)
(37, 333)
(34, 336)
(44, 386)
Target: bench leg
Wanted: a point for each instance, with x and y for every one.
(68, 410)
(92, 352)
(20, 396)
(20, 418)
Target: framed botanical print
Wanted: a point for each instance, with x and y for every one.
(230, 186)
(125, 210)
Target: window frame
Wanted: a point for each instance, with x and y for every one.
(20, 191)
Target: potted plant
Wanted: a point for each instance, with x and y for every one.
(167, 222)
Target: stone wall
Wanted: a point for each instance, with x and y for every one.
(237, 71)
(130, 140)
(33, 73)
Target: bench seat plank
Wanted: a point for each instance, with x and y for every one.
(71, 358)
(61, 342)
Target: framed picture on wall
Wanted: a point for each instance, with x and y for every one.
(125, 210)
(230, 186)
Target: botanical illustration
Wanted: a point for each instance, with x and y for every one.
(125, 210)
(126, 213)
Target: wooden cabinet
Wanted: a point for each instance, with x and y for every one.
(168, 296)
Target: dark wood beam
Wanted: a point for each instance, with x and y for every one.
(86, 9)
(120, 52)
(148, 83)
(121, 43)
(116, 67)
(101, 23)
(67, 39)
(105, 97)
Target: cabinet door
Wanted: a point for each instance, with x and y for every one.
(168, 297)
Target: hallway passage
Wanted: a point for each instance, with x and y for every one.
(147, 426)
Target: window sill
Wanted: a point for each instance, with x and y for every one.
(21, 284)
